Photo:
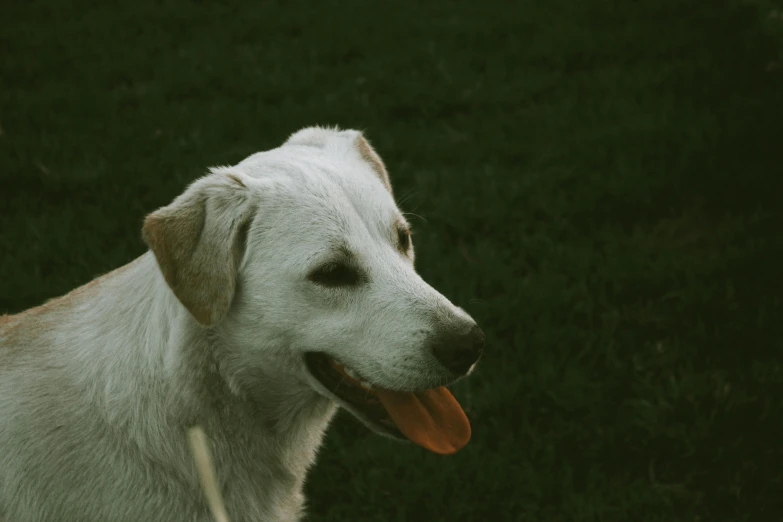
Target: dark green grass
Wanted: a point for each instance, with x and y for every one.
(600, 185)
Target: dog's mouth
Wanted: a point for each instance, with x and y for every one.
(430, 418)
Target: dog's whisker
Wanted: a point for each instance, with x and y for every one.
(337, 386)
(368, 395)
(406, 198)
(415, 215)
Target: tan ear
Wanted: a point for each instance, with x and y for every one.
(340, 140)
(369, 155)
(198, 241)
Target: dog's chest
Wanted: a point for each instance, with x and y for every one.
(258, 490)
(280, 502)
(263, 476)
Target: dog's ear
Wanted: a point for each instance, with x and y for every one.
(199, 240)
(341, 141)
(369, 155)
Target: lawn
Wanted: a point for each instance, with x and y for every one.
(600, 184)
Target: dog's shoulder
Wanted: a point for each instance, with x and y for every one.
(17, 330)
(31, 328)
(6, 320)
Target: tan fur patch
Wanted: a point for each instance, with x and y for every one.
(174, 240)
(369, 155)
(236, 179)
(199, 255)
(18, 330)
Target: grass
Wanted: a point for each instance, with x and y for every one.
(601, 186)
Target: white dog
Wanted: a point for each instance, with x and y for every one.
(273, 291)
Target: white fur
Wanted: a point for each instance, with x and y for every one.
(98, 388)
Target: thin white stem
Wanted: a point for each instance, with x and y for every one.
(206, 473)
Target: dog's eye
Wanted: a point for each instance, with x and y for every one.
(404, 239)
(335, 274)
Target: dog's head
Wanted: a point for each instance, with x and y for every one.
(300, 260)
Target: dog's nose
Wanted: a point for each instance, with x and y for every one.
(458, 352)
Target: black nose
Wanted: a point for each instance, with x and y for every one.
(458, 352)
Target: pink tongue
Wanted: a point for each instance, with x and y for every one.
(432, 419)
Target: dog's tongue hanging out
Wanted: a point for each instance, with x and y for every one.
(432, 419)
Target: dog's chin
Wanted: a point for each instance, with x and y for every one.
(353, 395)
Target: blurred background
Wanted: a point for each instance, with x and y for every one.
(599, 183)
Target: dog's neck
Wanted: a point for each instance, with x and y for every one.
(153, 372)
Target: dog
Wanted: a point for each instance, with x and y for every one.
(273, 292)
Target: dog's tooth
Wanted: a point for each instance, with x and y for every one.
(365, 384)
(350, 373)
